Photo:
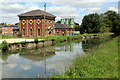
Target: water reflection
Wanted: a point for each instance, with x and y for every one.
(93, 43)
(42, 61)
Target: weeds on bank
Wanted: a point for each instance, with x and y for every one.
(102, 63)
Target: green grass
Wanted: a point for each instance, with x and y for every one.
(8, 37)
(101, 63)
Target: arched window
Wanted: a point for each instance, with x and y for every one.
(38, 32)
(23, 22)
(31, 32)
(23, 32)
(30, 21)
(38, 21)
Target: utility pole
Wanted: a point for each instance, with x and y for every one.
(44, 21)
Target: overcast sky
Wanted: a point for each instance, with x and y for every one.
(9, 9)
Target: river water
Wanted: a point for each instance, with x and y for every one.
(46, 61)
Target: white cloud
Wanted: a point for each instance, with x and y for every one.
(93, 10)
(113, 8)
(10, 9)
(25, 66)
(57, 0)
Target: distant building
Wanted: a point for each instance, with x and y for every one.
(38, 23)
(8, 29)
(16, 32)
(63, 30)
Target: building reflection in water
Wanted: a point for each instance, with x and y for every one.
(40, 54)
(66, 47)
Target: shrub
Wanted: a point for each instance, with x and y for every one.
(52, 39)
(43, 41)
(23, 43)
(5, 46)
(19, 35)
(68, 38)
(36, 40)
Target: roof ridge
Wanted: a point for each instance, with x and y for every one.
(36, 11)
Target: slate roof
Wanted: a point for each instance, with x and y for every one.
(36, 13)
(62, 26)
(17, 29)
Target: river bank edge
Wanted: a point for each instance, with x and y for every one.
(101, 63)
(47, 41)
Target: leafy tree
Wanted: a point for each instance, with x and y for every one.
(77, 27)
(91, 23)
(58, 22)
(5, 46)
(3, 23)
(112, 20)
(76, 23)
(16, 23)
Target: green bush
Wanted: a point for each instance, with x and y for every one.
(5, 46)
(23, 43)
(19, 35)
(36, 40)
(43, 41)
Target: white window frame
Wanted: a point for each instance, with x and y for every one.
(30, 21)
(39, 21)
(23, 22)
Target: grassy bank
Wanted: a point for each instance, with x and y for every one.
(12, 37)
(8, 37)
(101, 63)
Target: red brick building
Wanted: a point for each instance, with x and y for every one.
(38, 23)
(63, 30)
(33, 24)
(8, 29)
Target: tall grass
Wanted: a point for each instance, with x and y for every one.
(101, 63)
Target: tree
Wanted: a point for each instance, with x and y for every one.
(16, 23)
(58, 22)
(112, 20)
(77, 27)
(76, 23)
(3, 23)
(91, 23)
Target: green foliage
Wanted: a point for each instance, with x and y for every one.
(95, 23)
(3, 23)
(17, 23)
(91, 23)
(8, 37)
(58, 22)
(62, 38)
(36, 40)
(77, 27)
(23, 43)
(5, 46)
(19, 35)
(111, 19)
